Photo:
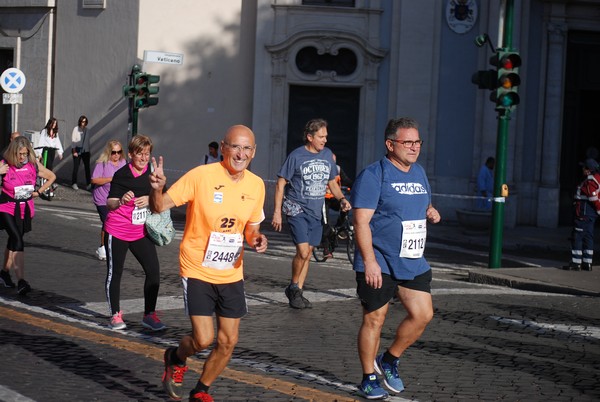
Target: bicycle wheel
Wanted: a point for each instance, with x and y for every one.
(350, 246)
(318, 254)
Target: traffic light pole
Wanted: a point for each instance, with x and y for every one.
(133, 110)
(134, 122)
(495, 257)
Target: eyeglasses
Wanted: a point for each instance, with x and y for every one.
(238, 148)
(409, 144)
(120, 151)
(23, 153)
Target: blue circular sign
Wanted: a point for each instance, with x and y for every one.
(12, 80)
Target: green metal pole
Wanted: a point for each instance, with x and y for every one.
(134, 123)
(495, 257)
(508, 25)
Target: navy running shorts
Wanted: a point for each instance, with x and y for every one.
(305, 229)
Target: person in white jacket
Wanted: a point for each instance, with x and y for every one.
(49, 143)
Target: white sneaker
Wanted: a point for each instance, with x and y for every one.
(101, 253)
(75, 186)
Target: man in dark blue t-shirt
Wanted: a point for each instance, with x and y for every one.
(392, 205)
(300, 195)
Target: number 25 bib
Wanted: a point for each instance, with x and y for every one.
(223, 250)
(414, 234)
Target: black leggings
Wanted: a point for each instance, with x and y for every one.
(15, 234)
(85, 157)
(144, 252)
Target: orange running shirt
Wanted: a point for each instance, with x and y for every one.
(215, 203)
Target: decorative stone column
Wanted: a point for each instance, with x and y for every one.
(548, 194)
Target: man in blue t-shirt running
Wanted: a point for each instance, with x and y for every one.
(300, 195)
(392, 205)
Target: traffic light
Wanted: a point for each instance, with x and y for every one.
(507, 66)
(485, 79)
(144, 89)
(129, 91)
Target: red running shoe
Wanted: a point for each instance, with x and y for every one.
(172, 378)
(200, 397)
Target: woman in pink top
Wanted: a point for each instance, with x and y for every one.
(19, 170)
(108, 163)
(127, 206)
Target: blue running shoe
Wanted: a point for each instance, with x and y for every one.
(391, 379)
(371, 389)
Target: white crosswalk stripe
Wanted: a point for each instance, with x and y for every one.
(324, 296)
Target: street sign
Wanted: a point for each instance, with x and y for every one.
(153, 56)
(12, 99)
(12, 80)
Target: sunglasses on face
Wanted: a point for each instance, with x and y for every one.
(120, 151)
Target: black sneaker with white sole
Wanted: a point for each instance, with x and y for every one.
(23, 288)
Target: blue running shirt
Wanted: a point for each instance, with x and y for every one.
(307, 175)
(396, 197)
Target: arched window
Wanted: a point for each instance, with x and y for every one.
(309, 61)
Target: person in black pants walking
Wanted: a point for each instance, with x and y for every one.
(80, 149)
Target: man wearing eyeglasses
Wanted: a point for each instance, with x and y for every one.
(300, 194)
(224, 207)
(392, 205)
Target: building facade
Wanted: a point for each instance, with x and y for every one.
(273, 64)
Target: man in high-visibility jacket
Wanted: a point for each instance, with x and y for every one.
(587, 209)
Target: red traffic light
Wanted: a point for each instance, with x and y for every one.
(510, 61)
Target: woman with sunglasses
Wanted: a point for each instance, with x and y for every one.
(108, 163)
(127, 204)
(80, 150)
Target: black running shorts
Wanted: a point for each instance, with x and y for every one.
(225, 300)
(373, 299)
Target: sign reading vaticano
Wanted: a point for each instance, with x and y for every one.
(153, 56)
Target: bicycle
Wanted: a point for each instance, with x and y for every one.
(341, 231)
(47, 195)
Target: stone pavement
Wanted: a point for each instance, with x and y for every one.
(523, 239)
(55, 344)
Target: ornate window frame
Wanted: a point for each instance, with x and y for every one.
(285, 73)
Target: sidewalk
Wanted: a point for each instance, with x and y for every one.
(552, 279)
(520, 240)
